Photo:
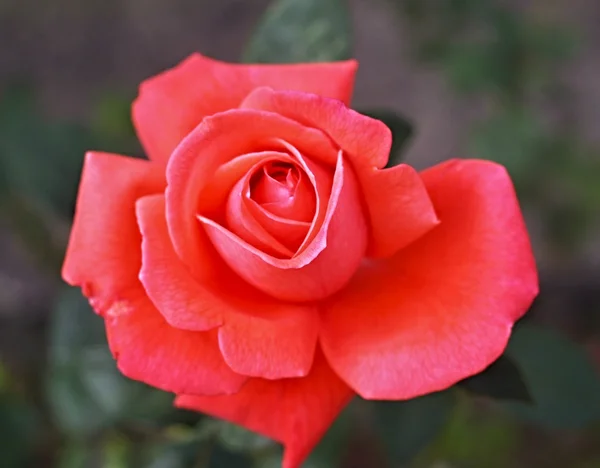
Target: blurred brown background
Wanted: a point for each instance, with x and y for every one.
(84, 61)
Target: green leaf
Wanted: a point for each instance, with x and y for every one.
(76, 454)
(407, 427)
(330, 450)
(86, 392)
(238, 439)
(186, 448)
(402, 131)
(18, 431)
(222, 458)
(502, 380)
(172, 456)
(74, 327)
(302, 31)
(475, 437)
(34, 229)
(562, 380)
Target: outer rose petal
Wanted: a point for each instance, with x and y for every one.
(104, 253)
(172, 103)
(149, 350)
(296, 412)
(258, 337)
(441, 309)
(104, 257)
(399, 208)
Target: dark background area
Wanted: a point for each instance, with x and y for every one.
(516, 82)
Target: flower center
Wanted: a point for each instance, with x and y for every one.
(283, 189)
(276, 183)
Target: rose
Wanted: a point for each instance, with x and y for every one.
(265, 267)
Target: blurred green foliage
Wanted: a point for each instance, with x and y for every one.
(401, 130)
(407, 427)
(86, 392)
(29, 141)
(497, 54)
(293, 31)
(92, 416)
(564, 384)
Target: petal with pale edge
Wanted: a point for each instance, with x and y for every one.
(443, 308)
(173, 102)
(104, 252)
(258, 335)
(151, 351)
(399, 207)
(295, 412)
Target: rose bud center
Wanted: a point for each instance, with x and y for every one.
(283, 189)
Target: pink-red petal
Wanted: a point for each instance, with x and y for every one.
(104, 252)
(295, 412)
(173, 102)
(213, 195)
(443, 308)
(242, 223)
(151, 351)
(183, 302)
(287, 231)
(292, 199)
(399, 209)
(341, 243)
(271, 342)
(258, 336)
(213, 144)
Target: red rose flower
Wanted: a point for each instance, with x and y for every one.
(263, 265)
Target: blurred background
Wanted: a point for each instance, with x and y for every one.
(516, 82)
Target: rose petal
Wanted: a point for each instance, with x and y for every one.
(295, 412)
(399, 208)
(172, 103)
(441, 309)
(149, 350)
(242, 223)
(271, 342)
(183, 302)
(258, 337)
(341, 242)
(295, 200)
(213, 196)
(211, 145)
(321, 181)
(289, 232)
(241, 209)
(104, 252)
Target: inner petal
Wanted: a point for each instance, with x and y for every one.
(289, 232)
(282, 189)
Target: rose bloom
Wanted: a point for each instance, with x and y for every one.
(264, 266)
